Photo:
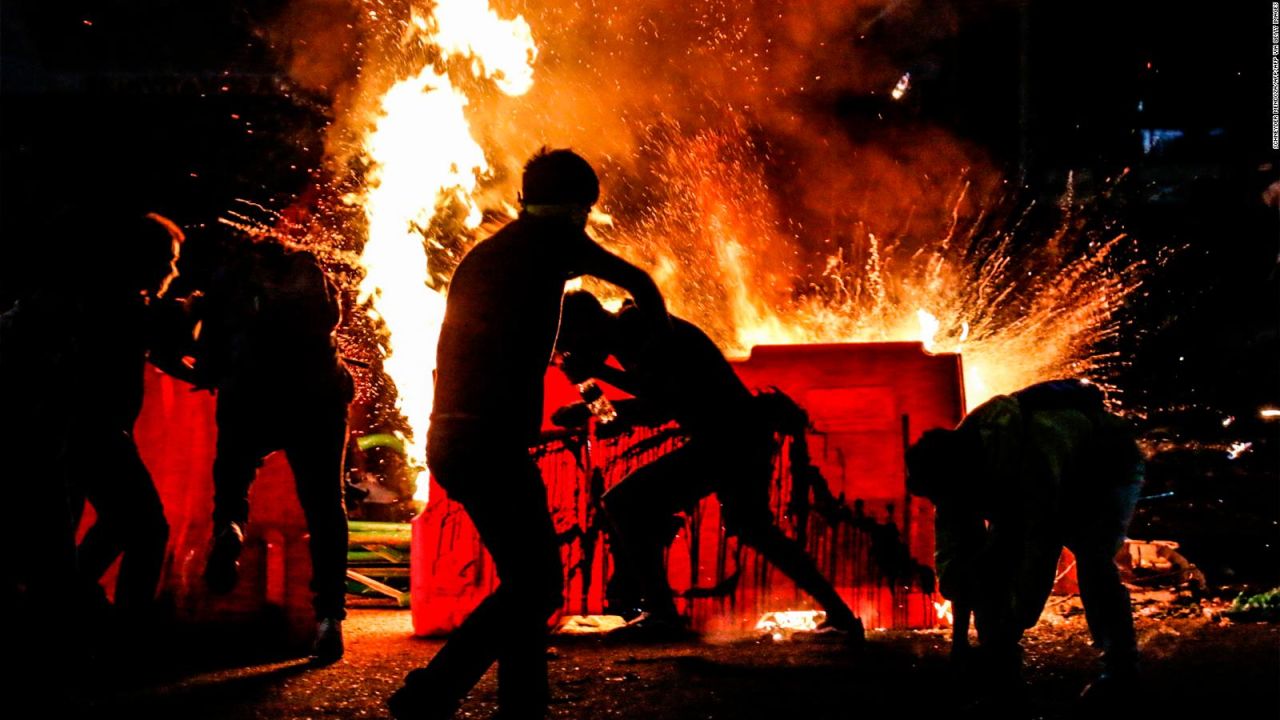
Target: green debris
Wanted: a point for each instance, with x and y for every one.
(386, 440)
(1259, 607)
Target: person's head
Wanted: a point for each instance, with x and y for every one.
(203, 252)
(559, 184)
(937, 462)
(136, 255)
(586, 328)
(159, 243)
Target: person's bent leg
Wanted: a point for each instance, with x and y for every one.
(98, 551)
(502, 492)
(315, 456)
(1107, 607)
(640, 510)
(532, 570)
(994, 616)
(235, 464)
(130, 511)
(100, 547)
(238, 456)
(788, 556)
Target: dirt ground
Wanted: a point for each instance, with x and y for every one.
(1192, 660)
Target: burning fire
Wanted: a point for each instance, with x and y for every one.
(422, 160)
(1019, 309)
(782, 624)
(944, 612)
(900, 90)
(1237, 449)
(900, 241)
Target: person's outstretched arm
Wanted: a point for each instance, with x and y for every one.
(600, 263)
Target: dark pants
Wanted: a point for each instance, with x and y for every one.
(312, 432)
(1107, 607)
(501, 489)
(130, 519)
(737, 468)
(1092, 522)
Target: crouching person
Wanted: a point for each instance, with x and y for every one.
(1022, 476)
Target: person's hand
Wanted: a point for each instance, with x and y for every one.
(573, 415)
(574, 367)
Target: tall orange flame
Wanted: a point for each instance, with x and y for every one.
(423, 157)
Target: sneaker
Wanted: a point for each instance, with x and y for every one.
(222, 571)
(328, 645)
(849, 629)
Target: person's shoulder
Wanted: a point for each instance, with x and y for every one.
(303, 265)
(686, 333)
(302, 256)
(497, 255)
(504, 240)
(684, 327)
(999, 410)
(505, 233)
(999, 405)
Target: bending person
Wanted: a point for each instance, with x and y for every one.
(729, 452)
(1020, 478)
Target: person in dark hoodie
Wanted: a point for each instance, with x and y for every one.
(268, 314)
(495, 345)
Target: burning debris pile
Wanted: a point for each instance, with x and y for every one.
(1150, 607)
(783, 624)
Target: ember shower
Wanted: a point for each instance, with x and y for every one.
(726, 173)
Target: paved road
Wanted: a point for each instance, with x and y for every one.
(902, 675)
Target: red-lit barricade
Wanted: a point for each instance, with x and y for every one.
(865, 403)
(176, 436)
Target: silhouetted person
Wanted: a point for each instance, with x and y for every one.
(729, 452)
(114, 330)
(499, 328)
(1020, 478)
(268, 315)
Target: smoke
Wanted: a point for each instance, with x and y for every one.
(609, 74)
(318, 43)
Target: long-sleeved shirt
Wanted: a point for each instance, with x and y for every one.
(1036, 461)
